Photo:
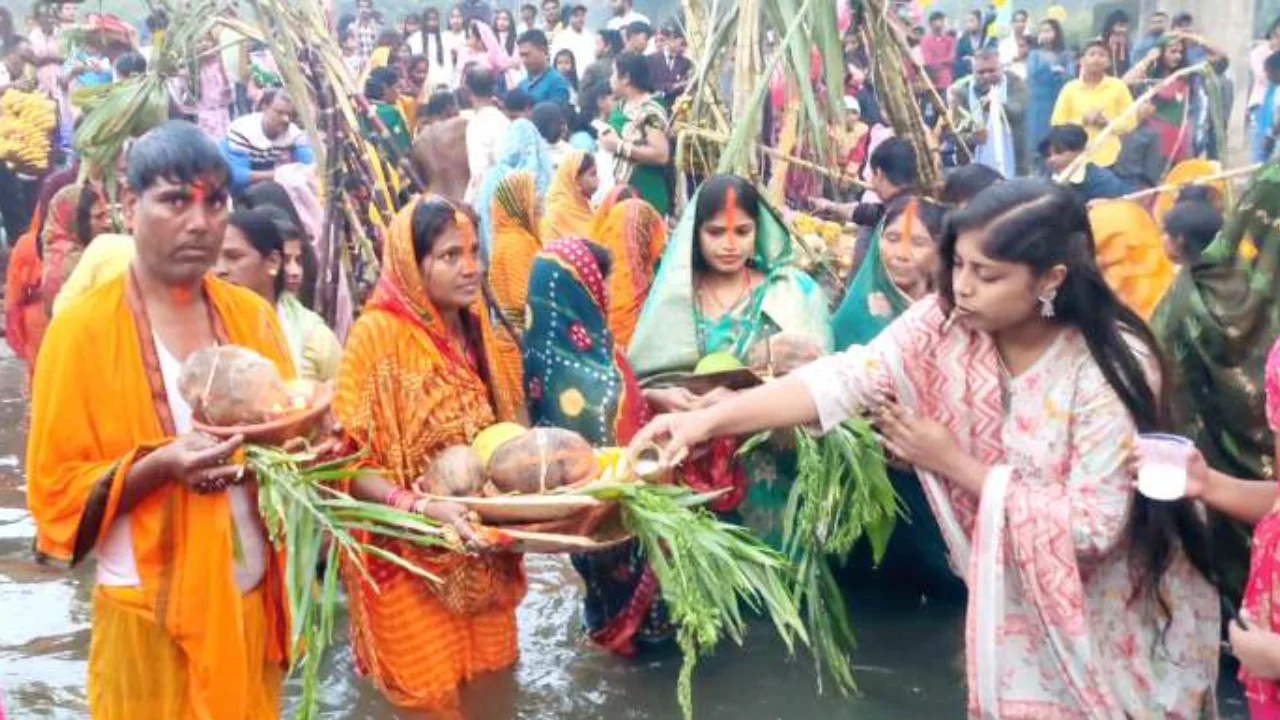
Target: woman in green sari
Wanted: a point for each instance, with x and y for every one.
(725, 283)
(381, 91)
(901, 267)
(1217, 324)
(637, 133)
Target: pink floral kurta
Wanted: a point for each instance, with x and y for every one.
(1262, 594)
(1050, 630)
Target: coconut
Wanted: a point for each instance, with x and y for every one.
(231, 385)
(781, 353)
(541, 459)
(455, 472)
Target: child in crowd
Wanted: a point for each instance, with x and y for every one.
(1189, 227)
(1090, 181)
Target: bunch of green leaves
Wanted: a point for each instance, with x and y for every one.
(841, 494)
(302, 508)
(115, 112)
(708, 570)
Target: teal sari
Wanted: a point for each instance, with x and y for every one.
(915, 560)
(872, 301)
(672, 336)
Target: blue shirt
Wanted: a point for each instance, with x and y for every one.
(550, 86)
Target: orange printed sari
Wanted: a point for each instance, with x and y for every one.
(514, 215)
(185, 644)
(568, 212)
(406, 391)
(635, 235)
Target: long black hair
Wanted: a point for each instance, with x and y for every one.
(1044, 225)
(260, 229)
(430, 33)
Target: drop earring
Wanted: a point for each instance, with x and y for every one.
(1046, 303)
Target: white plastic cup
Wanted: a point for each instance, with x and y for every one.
(1163, 473)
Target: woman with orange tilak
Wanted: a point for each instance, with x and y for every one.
(417, 378)
(635, 234)
(189, 617)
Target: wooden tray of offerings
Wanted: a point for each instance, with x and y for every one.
(595, 530)
(517, 509)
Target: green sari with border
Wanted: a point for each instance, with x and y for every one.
(1216, 325)
(871, 302)
(672, 335)
(915, 561)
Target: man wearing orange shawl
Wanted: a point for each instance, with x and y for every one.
(568, 212)
(419, 376)
(635, 235)
(189, 618)
(513, 216)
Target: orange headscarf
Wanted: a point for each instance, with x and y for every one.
(635, 235)
(406, 391)
(1131, 254)
(568, 212)
(515, 243)
(86, 435)
(616, 195)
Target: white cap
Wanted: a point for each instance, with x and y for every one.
(851, 104)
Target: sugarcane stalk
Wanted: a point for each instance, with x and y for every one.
(1194, 182)
(692, 131)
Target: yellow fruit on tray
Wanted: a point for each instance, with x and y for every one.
(493, 437)
(717, 362)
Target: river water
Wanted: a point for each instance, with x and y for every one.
(909, 662)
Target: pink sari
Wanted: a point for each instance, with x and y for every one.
(1262, 593)
(494, 57)
(1050, 631)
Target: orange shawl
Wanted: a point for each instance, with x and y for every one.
(635, 235)
(86, 434)
(1131, 254)
(406, 391)
(568, 212)
(615, 195)
(515, 243)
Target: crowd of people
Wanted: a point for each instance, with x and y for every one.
(1010, 333)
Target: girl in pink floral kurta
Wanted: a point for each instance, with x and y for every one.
(1051, 628)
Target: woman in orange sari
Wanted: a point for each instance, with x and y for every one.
(25, 318)
(615, 195)
(513, 216)
(416, 379)
(635, 235)
(568, 212)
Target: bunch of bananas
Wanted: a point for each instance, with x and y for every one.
(26, 123)
(805, 225)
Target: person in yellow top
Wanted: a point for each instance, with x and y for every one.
(104, 259)
(1093, 100)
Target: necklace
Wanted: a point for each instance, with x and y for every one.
(722, 307)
